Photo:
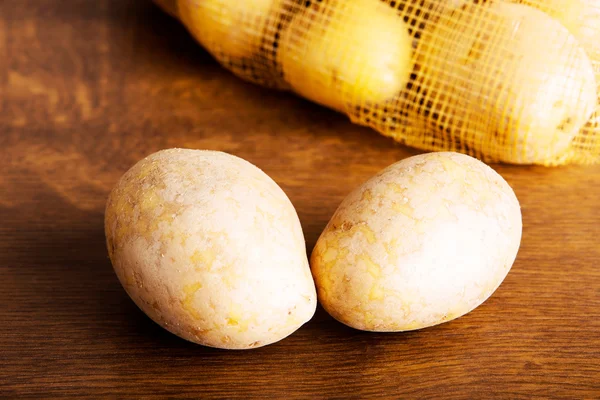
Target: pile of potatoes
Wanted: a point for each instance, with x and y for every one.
(211, 248)
(505, 80)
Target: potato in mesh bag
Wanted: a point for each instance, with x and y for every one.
(580, 17)
(240, 34)
(232, 27)
(508, 80)
(499, 80)
(586, 145)
(340, 53)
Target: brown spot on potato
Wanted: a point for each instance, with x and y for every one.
(346, 226)
(200, 332)
(138, 280)
(565, 125)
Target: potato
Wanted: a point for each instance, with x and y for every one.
(580, 17)
(340, 53)
(234, 29)
(512, 80)
(210, 248)
(424, 241)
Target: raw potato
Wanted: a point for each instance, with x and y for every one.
(231, 28)
(340, 53)
(511, 76)
(425, 241)
(209, 247)
(580, 17)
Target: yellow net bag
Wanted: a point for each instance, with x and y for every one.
(512, 81)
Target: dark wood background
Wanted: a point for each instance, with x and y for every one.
(88, 87)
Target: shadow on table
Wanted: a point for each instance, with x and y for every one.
(160, 47)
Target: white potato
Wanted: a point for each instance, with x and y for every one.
(209, 247)
(580, 17)
(235, 29)
(512, 80)
(340, 53)
(424, 241)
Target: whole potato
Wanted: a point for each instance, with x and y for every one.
(235, 29)
(424, 241)
(508, 80)
(341, 53)
(210, 248)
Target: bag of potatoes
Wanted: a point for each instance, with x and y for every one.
(513, 81)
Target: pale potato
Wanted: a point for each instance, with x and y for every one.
(580, 17)
(232, 29)
(209, 247)
(341, 53)
(508, 80)
(424, 241)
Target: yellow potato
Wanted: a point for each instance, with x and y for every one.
(340, 53)
(424, 241)
(234, 29)
(511, 79)
(210, 248)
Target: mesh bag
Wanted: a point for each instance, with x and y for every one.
(512, 81)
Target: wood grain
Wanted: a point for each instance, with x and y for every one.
(89, 87)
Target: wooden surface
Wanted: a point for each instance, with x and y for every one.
(89, 87)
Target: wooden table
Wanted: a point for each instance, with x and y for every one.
(89, 87)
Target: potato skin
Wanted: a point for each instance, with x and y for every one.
(425, 241)
(580, 17)
(228, 28)
(210, 248)
(341, 53)
(509, 81)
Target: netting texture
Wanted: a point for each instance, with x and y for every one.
(511, 81)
